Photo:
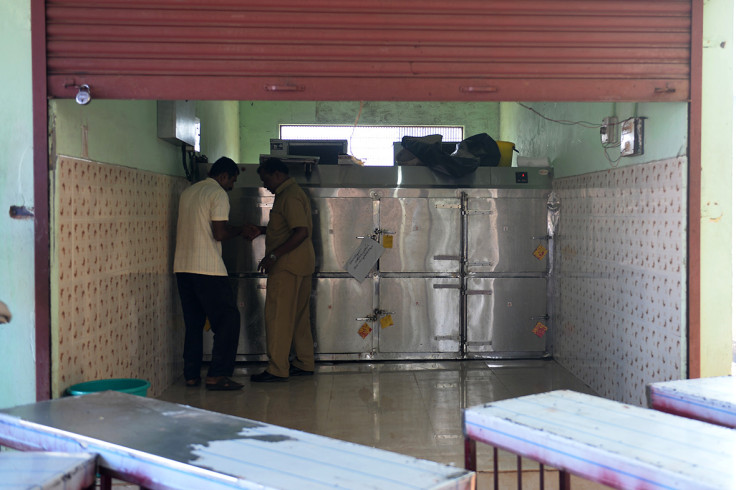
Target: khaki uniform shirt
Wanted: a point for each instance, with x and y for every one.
(197, 251)
(291, 209)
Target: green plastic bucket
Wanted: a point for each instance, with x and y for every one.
(125, 385)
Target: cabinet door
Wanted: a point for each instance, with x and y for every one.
(425, 314)
(504, 232)
(426, 234)
(337, 223)
(502, 314)
(336, 304)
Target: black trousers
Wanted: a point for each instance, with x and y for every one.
(210, 297)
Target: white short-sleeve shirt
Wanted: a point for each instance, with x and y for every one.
(197, 251)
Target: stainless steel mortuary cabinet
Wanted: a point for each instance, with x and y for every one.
(458, 276)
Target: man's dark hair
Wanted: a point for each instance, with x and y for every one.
(224, 165)
(272, 165)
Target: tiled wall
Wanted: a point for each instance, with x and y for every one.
(620, 283)
(117, 310)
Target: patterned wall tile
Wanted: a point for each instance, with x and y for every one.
(620, 277)
(117, 307)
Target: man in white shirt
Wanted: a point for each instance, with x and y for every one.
(201, 276)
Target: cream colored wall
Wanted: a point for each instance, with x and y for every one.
(716, 243)
(116, 310)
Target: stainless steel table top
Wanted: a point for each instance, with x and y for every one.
(709, 399)
(163, 445)
(620, 445)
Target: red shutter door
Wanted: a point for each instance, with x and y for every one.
(461, 50)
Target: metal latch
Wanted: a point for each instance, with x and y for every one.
(374, 316)
(543, 317)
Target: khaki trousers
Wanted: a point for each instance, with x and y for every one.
(287, 322)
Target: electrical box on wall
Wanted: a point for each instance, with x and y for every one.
(632, 136)
(177, 122)
(609, 130)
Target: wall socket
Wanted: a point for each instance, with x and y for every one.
(632, 136)
(609, 130)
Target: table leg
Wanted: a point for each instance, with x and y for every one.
(470, 454)
(105, 481)
(541, 476)
(518, 472)
(495, 468)
(564, 480)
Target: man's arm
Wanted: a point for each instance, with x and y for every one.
(298, 235)
(222, 230)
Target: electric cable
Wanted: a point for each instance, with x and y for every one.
(584, 124)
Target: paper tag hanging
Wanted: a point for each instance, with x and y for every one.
(539, 329)
(364, 330)
(363, 258)
(386, 321)
(388, 241)
(540, 252)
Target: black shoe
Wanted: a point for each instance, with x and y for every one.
(295, 371)
(224, 383)
(266, 377)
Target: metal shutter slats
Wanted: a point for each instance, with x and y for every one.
(371, 50)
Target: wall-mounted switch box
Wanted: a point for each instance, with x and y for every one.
(609, 130)
(632, 136)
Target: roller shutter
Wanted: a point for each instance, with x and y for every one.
(460, 50)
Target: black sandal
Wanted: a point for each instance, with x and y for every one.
(193, 383)
(224, 384)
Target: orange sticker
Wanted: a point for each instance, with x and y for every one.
(388, 241)
(540, 252)
(364, 330)
(539, 329)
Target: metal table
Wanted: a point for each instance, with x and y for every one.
(47, 471)
(619, 445)
(161, 445)
(709, 399)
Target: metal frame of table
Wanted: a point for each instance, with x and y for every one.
(608, 442)
(162, 445)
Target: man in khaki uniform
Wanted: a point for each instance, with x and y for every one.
(289, 263)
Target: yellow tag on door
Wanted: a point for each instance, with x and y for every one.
(540, 252)
(387, 321)
(388, 241)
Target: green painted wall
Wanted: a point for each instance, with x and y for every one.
(575, 149)
(124, 132)
(17, 338)
(259, 121)
(220, 133)
(716, 241)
